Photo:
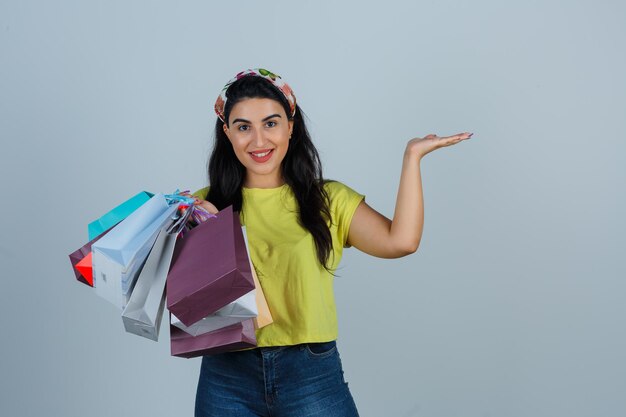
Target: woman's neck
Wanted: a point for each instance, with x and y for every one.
(264, 183)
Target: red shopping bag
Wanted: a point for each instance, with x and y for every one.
(81, 260)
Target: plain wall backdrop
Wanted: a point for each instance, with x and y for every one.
(514, 304)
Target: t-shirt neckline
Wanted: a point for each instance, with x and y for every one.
(264, 189)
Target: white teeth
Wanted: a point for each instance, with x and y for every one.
(261, 155)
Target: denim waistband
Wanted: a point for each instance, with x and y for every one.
(279, 348)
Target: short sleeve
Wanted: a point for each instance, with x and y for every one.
(344, 201)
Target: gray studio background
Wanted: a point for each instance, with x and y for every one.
(513, 305)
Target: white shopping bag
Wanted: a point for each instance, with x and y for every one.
(144, 311)
(142, 315)
(119, 255)
(239, 310)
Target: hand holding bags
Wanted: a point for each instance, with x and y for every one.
(207, 271)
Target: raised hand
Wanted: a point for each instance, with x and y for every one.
(421, 146)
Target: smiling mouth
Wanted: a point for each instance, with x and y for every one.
(262, 157)
(261, 154)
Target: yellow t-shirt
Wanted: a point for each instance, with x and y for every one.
(299, 291)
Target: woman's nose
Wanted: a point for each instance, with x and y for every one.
(259, 138)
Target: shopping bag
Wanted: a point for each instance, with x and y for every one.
(81, 261)
(144, 311)
(239, 310)
(234, 337)
(210, 268)
(264, 317)
(119, 256)
(142, 315)
(85, 268)
(117, 214)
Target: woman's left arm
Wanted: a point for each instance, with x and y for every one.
(375, 234)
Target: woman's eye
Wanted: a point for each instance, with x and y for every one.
(243, 128)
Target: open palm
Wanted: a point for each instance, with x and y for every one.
(427, 144)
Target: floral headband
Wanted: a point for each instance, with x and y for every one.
(259, 72)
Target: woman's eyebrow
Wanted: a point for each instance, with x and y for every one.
(248, 121)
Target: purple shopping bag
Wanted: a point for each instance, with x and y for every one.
(210, 268)
(237, 336)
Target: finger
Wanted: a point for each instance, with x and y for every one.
(459, 136)
(209, 207)
(449, 140)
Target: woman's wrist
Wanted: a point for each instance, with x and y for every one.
(410, 154)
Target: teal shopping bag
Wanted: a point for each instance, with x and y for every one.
(118, 214)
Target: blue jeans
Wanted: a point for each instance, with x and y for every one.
(282, 381)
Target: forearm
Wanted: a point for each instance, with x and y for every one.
(376, 234)
(408, 219)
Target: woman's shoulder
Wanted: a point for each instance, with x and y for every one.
(202, 193)
(338, 190)
(337, 187)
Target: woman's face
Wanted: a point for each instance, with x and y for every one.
(259, 132)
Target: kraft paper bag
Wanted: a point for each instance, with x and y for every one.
(239, 310)
(119, 256)
(210, 268)
(143, 313)
(117, 214)
(234, 337)
(264, 316)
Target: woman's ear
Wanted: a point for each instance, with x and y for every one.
(290, 128)
(226, 130)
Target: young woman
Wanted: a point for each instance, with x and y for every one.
(265, 165)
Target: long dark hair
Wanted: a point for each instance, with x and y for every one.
(301, 168)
